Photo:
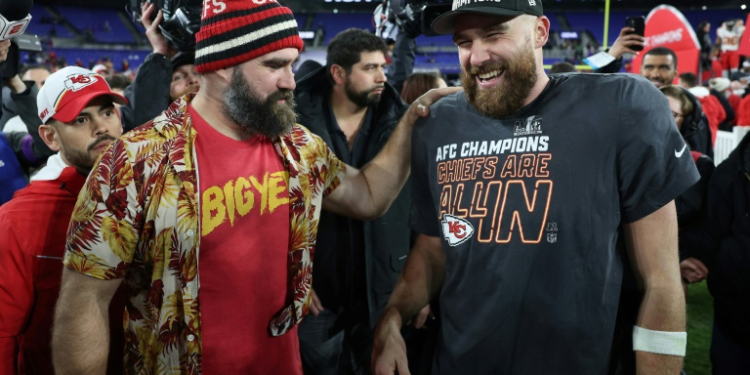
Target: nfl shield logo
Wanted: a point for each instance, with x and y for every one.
(551, 237)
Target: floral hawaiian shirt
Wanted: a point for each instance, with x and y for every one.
(137, 218)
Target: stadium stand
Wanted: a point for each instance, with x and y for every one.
(104, 24)
(43, 23)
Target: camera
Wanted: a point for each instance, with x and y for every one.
(413, 17)
(182, 20)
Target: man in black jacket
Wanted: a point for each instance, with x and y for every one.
(350, 104)
(728, 214)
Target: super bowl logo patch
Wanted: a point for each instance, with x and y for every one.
(456, 230)
(77, 82)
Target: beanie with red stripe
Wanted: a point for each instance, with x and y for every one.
(235, 31)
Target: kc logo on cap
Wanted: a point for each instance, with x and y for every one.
(77, 82)
(67, 92)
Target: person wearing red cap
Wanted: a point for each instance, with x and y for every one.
(209, 213)
(76, 107)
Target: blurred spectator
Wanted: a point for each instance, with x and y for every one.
(728, 37)
(184, 78)
(118, 83)
(101, 69)
(718, 88)
(37, 74)
(419, 83)
(742, 74)
(163, 77)
(688, 80)
(728, 224)
(690, 205)
(306, 68)
(721, 88)
(20, 117)
(622, 45)
(562, 67)
(711, 106)
(704, 38)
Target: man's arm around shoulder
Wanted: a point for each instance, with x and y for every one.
(80, 336)
(366, 194)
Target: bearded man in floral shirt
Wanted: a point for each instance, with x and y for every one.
(209, 214)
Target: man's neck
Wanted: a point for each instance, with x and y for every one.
(541, 84)
(349, 116)
(209, 107)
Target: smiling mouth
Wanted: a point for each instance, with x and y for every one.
(484, 77)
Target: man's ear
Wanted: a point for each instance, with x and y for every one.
(541, 31)
(338, 73)
(225, 74)
(48, 133)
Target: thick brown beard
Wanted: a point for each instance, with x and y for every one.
(509, 96)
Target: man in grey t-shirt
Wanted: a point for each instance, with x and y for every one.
(531, 195)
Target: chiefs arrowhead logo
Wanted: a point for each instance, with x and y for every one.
(77, 82)
(456, 230)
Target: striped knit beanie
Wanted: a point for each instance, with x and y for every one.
(235, 31)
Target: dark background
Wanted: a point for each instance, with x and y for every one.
(369, 5)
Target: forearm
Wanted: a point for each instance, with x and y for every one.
(419, 282)
(652, 248)
(662, 309)
(80, 341)
(386, 174)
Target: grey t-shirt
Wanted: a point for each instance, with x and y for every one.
(528, 209)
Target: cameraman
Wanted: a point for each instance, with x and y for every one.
(164, 76)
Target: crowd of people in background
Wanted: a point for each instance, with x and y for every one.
(103, 209)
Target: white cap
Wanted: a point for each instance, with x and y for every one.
(67, 92)
(99, 68)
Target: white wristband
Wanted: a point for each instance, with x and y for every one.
(659, 342)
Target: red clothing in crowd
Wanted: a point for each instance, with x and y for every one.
(33, 228)
(711, 107)
(734, 101)
(743, 112)
(244, 200)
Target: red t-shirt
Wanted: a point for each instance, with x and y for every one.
(243, 259)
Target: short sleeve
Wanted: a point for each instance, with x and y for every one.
(336, 169)
(654, 164)
(423, 218)
(102, 236)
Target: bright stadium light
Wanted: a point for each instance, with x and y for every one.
(743, 6)
(704, 7)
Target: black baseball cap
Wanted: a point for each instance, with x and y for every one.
(183, 58)
(443, 24)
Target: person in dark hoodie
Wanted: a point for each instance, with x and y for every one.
(352, 107)
(164, 76)
(728, 222)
